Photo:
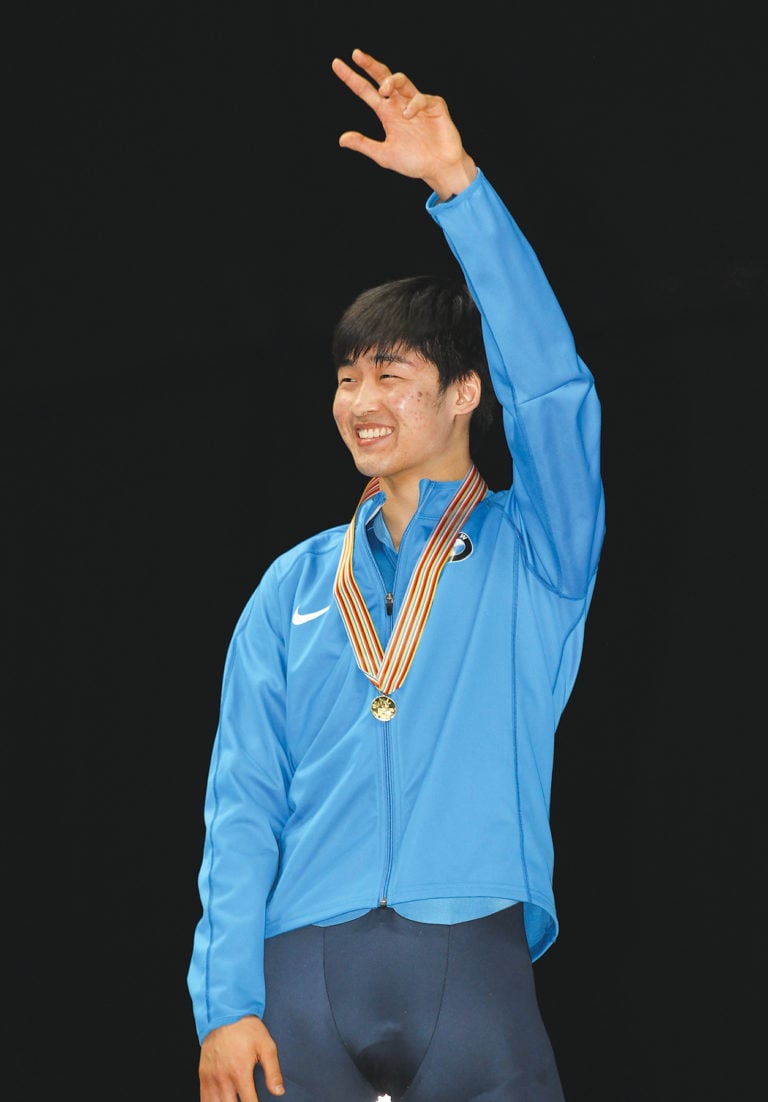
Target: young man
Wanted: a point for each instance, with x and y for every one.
(377, 872)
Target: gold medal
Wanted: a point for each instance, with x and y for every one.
(383, 707)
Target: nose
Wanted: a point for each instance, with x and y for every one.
(366, 396)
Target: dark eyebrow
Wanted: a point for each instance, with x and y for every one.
(378, 358)
(389, 358)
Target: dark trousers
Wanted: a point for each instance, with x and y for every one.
(419, 1011)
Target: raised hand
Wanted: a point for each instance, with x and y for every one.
(420, 137)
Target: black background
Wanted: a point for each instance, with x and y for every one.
(182, 232)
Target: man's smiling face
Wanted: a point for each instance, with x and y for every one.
(393, 416)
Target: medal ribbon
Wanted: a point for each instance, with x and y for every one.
(388, 669)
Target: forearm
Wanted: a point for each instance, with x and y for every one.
(245, 810)
(521, 314)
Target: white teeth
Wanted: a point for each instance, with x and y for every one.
(372, 434)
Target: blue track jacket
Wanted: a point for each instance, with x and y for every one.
(314, 808)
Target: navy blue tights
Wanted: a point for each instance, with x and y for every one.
(419, 1011)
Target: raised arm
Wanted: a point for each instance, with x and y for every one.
(420, 137)
(551, 410)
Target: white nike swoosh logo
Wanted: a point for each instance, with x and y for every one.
(303, 617)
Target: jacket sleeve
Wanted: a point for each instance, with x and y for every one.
(552, 416)
(245, 808)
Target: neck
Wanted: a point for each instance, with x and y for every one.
(402, 499)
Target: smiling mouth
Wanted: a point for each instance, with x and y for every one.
(373, 434)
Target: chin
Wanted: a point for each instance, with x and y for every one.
(367, 467)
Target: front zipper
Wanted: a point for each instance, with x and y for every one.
(389, 839)
(388, 828)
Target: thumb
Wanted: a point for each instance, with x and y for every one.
(353, 139)
(273, 1076)
(267, 1056)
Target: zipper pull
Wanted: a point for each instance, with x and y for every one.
(390, 600)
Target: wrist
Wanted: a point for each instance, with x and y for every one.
(450, 182)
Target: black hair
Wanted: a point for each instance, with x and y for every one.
(432, 316)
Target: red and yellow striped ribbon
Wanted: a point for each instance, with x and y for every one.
(387, 670)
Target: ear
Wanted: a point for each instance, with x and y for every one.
(468, 391)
